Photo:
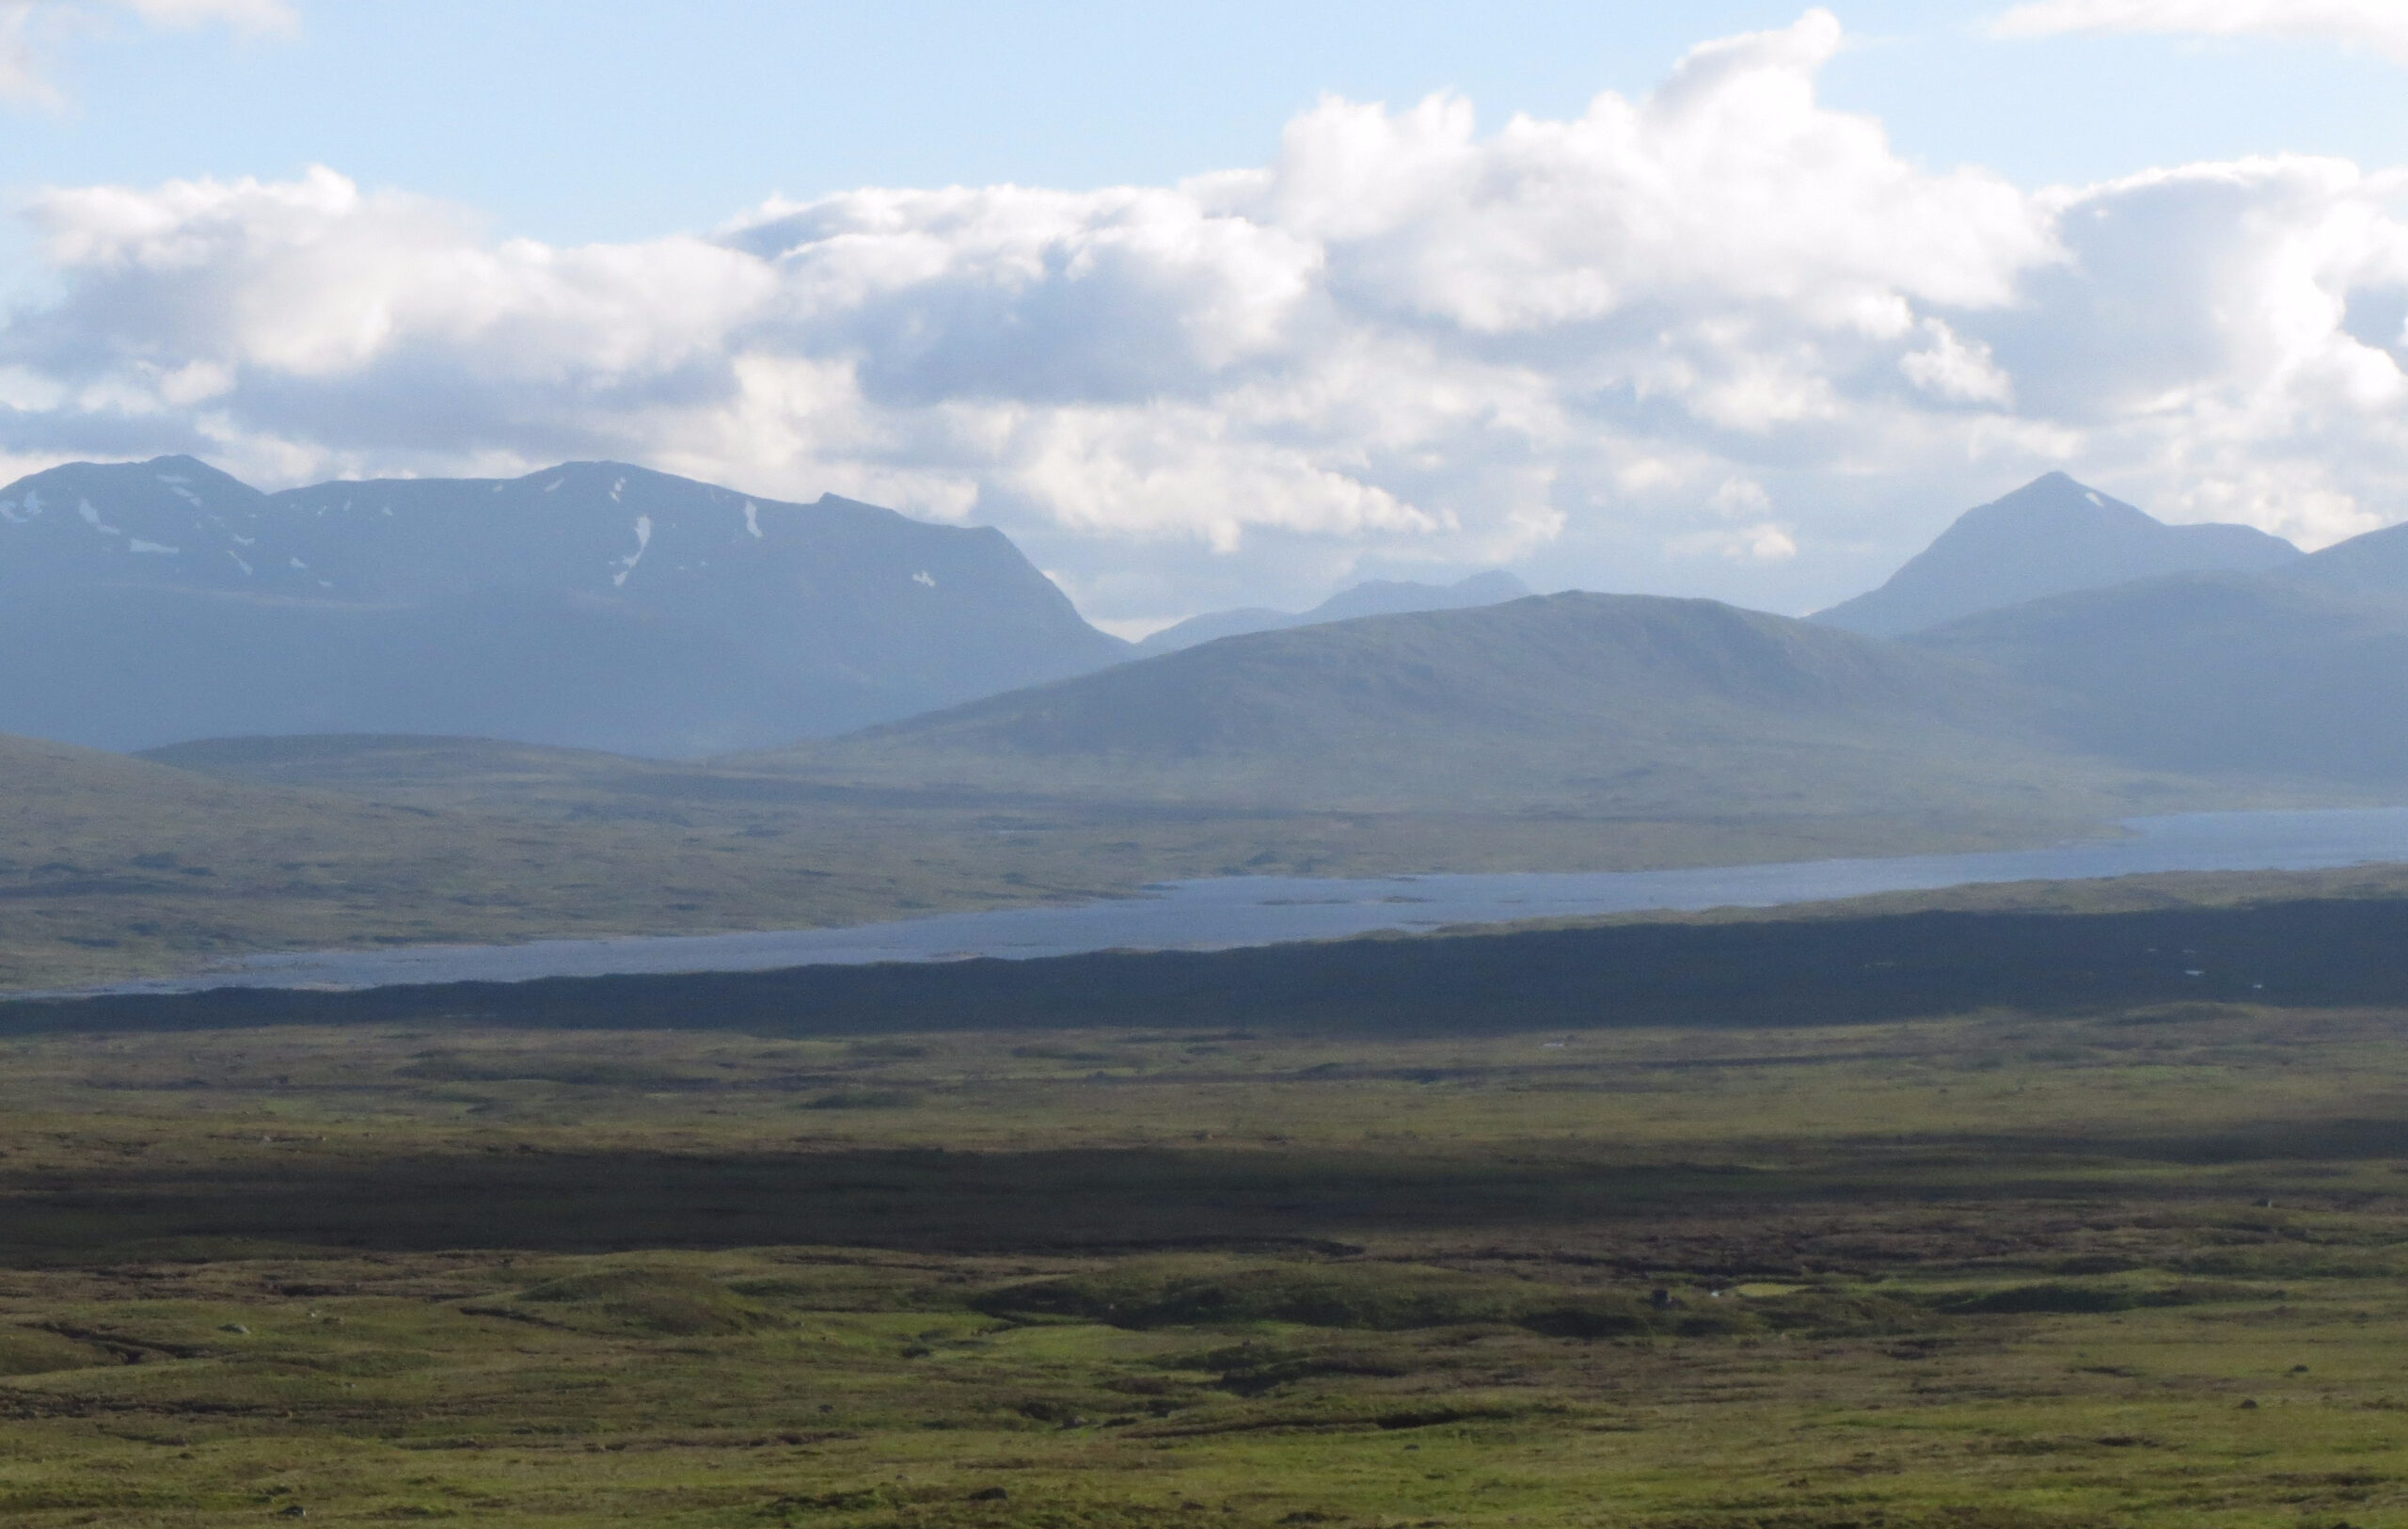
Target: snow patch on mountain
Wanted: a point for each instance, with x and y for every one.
(643, 540)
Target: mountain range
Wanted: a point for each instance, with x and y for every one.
(592, 604)
(2052, 635)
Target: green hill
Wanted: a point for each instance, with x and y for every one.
(2274, 677)
(1578, 704)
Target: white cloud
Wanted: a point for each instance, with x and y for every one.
(1721, 338)
(1767, 541)
(2382, 25)
(1949, 367)
(1756, 541)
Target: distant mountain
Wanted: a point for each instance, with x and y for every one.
(1584, 703)
(2374, 563)
(2051, 536)
(593, 605)
(2277, 675)
(1377, 598)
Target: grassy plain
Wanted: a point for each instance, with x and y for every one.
(113, 867)
(2137, 1267)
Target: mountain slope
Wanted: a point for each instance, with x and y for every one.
(1585, 703)
(1378, 596)
(2373, 563)
(2051, 536)
(2213, 673)
(592, 605)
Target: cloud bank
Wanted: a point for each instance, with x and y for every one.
(1722, 339)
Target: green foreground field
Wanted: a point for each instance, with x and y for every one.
(2139, 1268)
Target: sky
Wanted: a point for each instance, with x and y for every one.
(1239, 303)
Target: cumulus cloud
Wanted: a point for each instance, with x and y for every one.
(1720, 337)
(2382, 25)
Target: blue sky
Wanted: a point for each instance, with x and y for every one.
(571, 122)
(1225, 309)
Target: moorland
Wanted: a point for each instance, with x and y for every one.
(2135, 1265)
(113, 867)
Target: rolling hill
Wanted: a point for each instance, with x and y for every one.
(593, 605)
(1583, 704)
(2276, 677)
(2051, 536)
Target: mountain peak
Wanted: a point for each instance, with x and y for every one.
(2051, 536)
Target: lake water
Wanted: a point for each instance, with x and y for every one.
(1265, 910)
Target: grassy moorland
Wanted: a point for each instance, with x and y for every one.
(113, 867)
(2138, 1267)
